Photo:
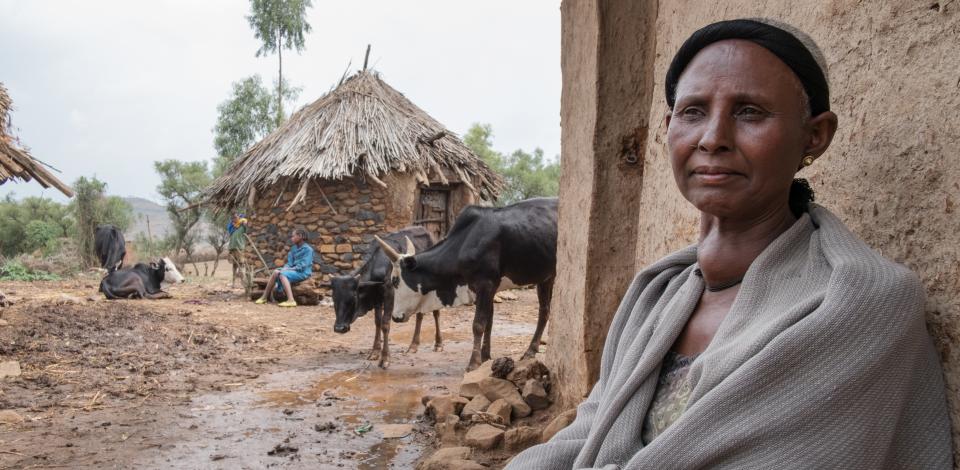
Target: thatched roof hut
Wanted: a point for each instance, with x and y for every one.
(15, 162)
(361, 160)
(364, 128)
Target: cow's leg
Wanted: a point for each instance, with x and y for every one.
(438, 340)
(377, 318)
(415, 342)
(544, 294)
(385, 327)
(482, 317)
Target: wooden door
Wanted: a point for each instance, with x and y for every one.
(433, 211)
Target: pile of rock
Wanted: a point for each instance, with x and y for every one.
(491, 400)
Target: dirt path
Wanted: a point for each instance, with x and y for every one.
(206, 380)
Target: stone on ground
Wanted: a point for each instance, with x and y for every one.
(501, 408)
(535, 396)
(447, 429)
(443, 405)
(478, 404)
(501, 367)
(448, 458)
(484, 437)
(528, 369)
(495, 389)
(520, 438)
(470, 386)
(561, 421)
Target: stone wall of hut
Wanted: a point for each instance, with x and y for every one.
(340, 226)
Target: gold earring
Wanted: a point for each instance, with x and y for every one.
(808, 160)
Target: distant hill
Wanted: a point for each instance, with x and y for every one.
(160, 223)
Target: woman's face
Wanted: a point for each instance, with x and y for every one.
(738, 130)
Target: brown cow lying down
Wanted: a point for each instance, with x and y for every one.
(141, 281)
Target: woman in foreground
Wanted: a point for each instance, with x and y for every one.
(780, 340)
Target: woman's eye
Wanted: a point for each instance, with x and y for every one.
(750, 112)
(690, 113)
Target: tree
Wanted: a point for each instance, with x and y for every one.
(244, 118)
(218, 237)
(279, 25)
(92, 207)
(31, 224)
(181, 184)
(479, 138)
(526, 174)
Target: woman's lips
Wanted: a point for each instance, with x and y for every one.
(714, 174)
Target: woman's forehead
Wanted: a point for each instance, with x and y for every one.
(738, 67)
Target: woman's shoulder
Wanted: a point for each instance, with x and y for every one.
(858, 269)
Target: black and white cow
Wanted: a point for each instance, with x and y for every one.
(110, 247)
(141, 281)
(486, 250)
(369, 288)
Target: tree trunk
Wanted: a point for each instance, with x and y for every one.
(280, 81)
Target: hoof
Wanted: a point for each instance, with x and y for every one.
(384, 364)
(438, 348)
(373, 356)
(412, 349)
(472, 366)
(529, 355)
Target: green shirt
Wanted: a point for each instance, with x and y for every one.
(238, 239)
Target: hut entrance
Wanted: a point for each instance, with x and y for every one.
(433, 211)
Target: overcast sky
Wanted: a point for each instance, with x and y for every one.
(106, 88)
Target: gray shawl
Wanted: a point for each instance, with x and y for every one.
(823, 361)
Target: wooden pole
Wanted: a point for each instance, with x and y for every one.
(366, 57)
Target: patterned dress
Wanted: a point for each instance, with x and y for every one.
(670, 399)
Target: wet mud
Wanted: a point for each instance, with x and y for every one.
(206, 380)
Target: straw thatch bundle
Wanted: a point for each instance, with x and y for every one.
(365, 129)
(16, 163)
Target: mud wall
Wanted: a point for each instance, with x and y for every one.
(892, 173)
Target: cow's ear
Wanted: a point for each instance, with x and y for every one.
(409, 263)
(154, 265)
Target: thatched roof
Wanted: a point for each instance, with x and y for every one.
(16, 163)
(364, 129)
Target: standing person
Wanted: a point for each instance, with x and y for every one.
(779, 340)
(299, 267)
(237, 229)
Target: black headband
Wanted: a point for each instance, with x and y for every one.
(781, 43)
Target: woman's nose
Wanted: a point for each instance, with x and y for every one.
(717, 135)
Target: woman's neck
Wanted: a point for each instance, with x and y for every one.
(728, 246)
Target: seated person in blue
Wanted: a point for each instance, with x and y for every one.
(298, 268)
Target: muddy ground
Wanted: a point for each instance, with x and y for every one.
(207, 380)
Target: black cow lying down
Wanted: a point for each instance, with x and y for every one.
(369, 288)
(486, 250)
(141, 281)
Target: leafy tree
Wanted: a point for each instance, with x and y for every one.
(181, 184)
(244, 118)
(31, 224)
(529, 176)
(479, 138)
(92, 207)
(526, 174)
(279, 25)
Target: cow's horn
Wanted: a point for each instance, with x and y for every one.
(411, 250)
(387, 249)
